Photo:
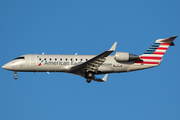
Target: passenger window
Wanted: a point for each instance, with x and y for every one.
(81, 60)
(76, 59)
(44, 58)
(61, 59)
(86, 59)
(71, 59)
(55, 59)
(66, 59)
(40, 59)
(50, 59)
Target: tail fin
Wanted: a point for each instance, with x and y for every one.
(153, 55)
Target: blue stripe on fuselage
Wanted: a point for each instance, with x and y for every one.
(152, 48)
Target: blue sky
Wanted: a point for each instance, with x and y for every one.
(89, 27)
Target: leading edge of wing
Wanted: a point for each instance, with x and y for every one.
(81, 67)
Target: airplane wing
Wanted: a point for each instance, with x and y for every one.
(92, 64)
(101, 80)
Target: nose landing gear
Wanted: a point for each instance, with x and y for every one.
(15, 77)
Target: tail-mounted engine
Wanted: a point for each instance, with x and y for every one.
(125, 57)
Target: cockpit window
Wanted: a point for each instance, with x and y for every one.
(19, 58)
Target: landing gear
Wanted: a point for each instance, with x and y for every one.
(89, 77)
(88, 80)
(15, 77)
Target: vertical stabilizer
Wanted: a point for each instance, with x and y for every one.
(153, 55)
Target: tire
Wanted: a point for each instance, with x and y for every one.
(15, 77)
(88, 80)
(89, 75)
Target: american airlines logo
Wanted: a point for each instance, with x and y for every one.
(59, 63)
(40, 63)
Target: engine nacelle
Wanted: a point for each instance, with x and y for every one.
(125, 57)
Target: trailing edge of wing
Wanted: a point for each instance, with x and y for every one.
(113, 47)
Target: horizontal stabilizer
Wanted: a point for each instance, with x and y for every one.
(169, 39)
(172, 44)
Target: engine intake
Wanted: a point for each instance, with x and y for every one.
(125, 57)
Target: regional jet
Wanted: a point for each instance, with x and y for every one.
(88, 66)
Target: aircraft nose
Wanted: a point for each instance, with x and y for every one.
(6, 66)
(3, 66)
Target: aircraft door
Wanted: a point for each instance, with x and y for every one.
(33, 60)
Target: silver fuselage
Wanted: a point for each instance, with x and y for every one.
(62, 63)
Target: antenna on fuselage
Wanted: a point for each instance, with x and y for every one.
(76, 54)
(43, 53)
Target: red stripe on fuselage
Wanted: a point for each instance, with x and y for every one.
(165, 43)
(159, 53)
(143, 62)
(39, 64)
(161, 48)
(151, 58)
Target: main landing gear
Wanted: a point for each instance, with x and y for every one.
(88, 80)
(89, 77)
(15, 77)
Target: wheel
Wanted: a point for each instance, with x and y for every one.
(89, 75)
(15, 77)
(88, 80)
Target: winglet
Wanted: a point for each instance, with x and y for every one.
(113, 47)
(105, 77)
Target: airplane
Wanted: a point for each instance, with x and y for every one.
(88, 66)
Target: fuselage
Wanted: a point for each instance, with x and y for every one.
(62, 63)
